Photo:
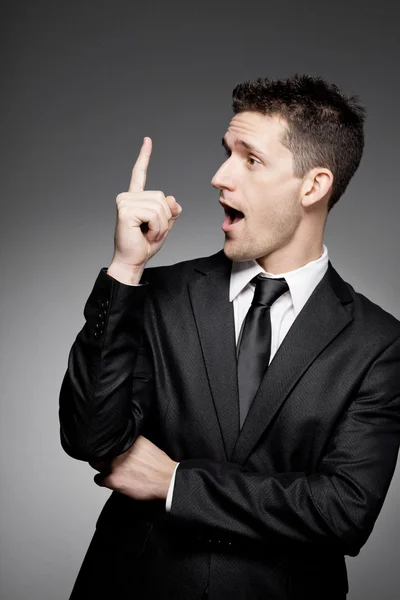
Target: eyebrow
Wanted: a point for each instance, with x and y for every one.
(246, 145)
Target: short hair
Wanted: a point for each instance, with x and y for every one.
(324, 127)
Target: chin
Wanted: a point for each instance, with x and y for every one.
(238, 252)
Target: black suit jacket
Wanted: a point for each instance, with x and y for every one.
(268, 511)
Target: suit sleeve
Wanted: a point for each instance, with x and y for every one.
(337, 505)
(107, 388)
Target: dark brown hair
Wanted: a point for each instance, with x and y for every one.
(324, 127)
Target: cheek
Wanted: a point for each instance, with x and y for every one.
(276, 194)
(279, 208)
(286, 195)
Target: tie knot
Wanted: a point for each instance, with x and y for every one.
(268, 290)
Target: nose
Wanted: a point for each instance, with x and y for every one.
(223, 177)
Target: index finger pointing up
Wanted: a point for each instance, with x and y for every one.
(139, 171)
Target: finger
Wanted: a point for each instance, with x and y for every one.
(174, 211)
(151, 215)
(175, 208)
(139, 171)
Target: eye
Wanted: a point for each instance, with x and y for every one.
(250, 158)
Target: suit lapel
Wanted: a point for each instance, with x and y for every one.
(326, 313)
(320, 321)
(213, 313)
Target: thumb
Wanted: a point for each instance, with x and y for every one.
(176, 210)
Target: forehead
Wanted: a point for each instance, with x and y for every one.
(263, 130)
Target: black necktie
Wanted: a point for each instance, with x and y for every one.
(254, 344)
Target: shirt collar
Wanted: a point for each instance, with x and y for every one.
(301, 281)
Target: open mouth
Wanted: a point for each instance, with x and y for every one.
(234, 215)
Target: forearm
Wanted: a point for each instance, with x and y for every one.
(98, 416)
(281, 508)
(336, 504)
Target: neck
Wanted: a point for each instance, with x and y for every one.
(299, 251)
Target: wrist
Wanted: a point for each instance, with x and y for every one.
(129, 275)
(164, 486)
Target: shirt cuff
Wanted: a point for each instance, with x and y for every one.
(168, 501)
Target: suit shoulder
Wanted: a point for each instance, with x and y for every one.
(178, 274)
(372, 316)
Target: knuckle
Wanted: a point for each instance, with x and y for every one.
(154, 209)
(164, 203)
(124, 209)
(160, 204)
(154, 217)
(121, 198)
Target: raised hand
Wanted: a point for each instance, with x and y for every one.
(144, 219)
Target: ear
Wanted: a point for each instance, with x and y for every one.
(317, 186)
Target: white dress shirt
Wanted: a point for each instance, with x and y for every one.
(284, 310)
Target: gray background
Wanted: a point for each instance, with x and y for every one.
(82, 85)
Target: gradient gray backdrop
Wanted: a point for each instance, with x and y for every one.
(82, 85)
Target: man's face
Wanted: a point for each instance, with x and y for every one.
(260, 184)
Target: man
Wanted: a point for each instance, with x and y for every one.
(244, 407)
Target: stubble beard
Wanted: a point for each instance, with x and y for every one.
(247, 247)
